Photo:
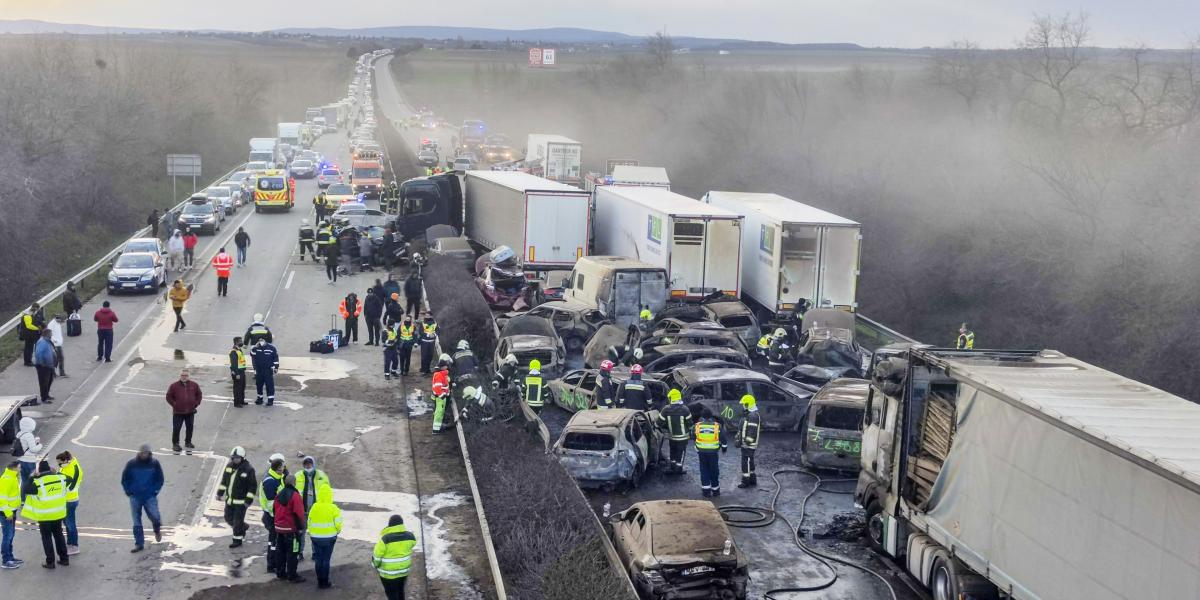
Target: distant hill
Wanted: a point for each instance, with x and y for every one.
(550, 35)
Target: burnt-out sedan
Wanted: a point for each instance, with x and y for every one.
(781, 403)
(680, 549)
(577, 389)
(606, 448)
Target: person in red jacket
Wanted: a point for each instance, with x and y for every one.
(104, 318)
(223, 263)
(351, 308)
(190, 239)
(184, 397)
(289, 528)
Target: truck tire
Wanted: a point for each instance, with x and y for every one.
(874, 529)
(951, 580)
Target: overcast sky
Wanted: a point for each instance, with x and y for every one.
(904, 23)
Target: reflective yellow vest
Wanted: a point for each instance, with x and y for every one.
(533, 391)
(50, 502)
(407, 332)
(241, 359)
(10, 492)
(751, 425)
(393, 552)
(708, 436)
(268, 506)
(74, 474)
(325, 518)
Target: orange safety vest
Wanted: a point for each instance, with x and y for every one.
(441, 383)
(223, 263)
(346, 313)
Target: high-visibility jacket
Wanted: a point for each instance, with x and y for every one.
(223, 263)
(407, 332)
(237, 360)
(389, 341)
(441, 383)
(677, 420)
(74, 474)
(533, 391)
(238, 484)
(764, 344)
(966, 341)
(325, 518)
(355, 308)
(751, 426)
(306, 233)
(50, 501)
(10, 492)
(393, 552)
(428, 332)
(325, 236)
(268, 504)
(320, 479)
(257, 331)
(708, 436)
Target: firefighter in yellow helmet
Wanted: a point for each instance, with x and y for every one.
(534, 396)
(747, 439)
(966, 338)
(676, 420)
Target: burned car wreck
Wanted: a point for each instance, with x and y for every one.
(608, 447)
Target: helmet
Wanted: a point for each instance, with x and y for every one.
(535, 365)
(238, 451)
(637, 353)
(416, 256)
(780, 333)
(277, 457)
(469, 391)
(258, 317)
(606, 366)
(675, 395)
(748, 401)
(463, 345)
(635, 370)
(645, 314)
(444, 359)
(511, 359)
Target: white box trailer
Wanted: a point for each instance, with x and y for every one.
(792, 251)
(555, 157)
(289, 133)
(698, 244)
(265, 150)
(635, 175)
(545, 222)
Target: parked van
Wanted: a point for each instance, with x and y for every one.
(617, 286)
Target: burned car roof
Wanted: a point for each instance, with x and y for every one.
(692, 375)
(601, 419)
(847, 390)
(684, 527)
(520, 342)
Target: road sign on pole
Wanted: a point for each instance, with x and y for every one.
(183, 165)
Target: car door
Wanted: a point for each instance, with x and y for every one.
(585, 391)
(650, 455)
(780, 410)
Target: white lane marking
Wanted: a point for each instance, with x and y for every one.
(291, 276)
(348, 446)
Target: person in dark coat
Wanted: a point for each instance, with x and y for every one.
(70, 299)
(332, 253)
(373, 313)
(142, 479)
(184, 396)
(289, 526)
(394, 312)
(412, 295)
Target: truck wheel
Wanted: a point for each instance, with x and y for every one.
(874, 528)
(944, 580)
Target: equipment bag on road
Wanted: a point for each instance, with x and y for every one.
(336, 336)
(321, 346)
(74, 325)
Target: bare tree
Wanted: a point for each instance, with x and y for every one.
(1053, 52)
(662, 50)
(960, 67)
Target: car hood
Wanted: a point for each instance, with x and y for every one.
(716, 558)
(130, 272)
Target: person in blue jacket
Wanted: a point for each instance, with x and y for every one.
(142, 479)
(265, 359)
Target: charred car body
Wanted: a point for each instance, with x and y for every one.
(680, 549)
(530, 338)
(577, 390)
(608, 447)
(833, 425)
(781, 403)
(501, 280)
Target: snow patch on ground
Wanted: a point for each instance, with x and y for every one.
(417, 405)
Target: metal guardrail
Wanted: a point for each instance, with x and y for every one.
(12, 323)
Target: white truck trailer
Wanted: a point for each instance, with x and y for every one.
(792, 251)
(698, 244)
(289, 133)
(554, 157)
(546, 223)
(264, 149)
(1030, 475)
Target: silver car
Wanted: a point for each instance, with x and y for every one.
(222, 197)
(608, 447)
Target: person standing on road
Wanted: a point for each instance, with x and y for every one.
(179, 296)
(237, 488)
(55, 327)
(268, 489)
(408, 336)
(44, 360)
(257, 331)
(237, 373)
(289, 526)
(676, 420)
(223, 264)
(184, 396)
(10, 503)
(324, 237)
(175, 251)
(241, 239)
(412, 294)
(428, 339)
(393, 310)
(332, 253)
(391, 286)
(387, 249)
(391, 356)
(266, 363)
(441, 392)
(142, 479)
(709, 442)
(324, 525)
(635, 391)
(366, 253)
(392, 557)
(307, 237)
(319, 206)
(308, 479)
(46, 503)
(351, 309)
(31, 330)
(534, 388)
(26, 449)
(104, 318)
(190, 239)
(747, 439)
(606, 391)
(152, 221)
(70, 299)
(69, 467)
(373, 312)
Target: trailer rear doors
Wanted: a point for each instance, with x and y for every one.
(820, 263)
(705, 256)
